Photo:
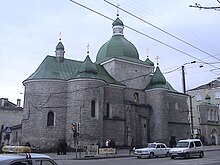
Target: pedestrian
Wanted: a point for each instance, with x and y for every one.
(63, 147)
(59, 147)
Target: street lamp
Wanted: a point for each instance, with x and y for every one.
(183, 75)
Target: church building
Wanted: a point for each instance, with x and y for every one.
(117, 97)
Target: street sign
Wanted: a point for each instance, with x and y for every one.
(8, 130)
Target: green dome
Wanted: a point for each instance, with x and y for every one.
(117, 46)
(158, 80)
(88, 67)
(117, 22)
(60, 46)
(149, 62)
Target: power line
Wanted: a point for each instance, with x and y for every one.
(161, 30)
(187, 54)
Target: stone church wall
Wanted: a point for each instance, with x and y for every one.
(42, 97)
(157, 99)
(81, 92)
(131, 74)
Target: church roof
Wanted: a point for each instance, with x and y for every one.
(158, 81)
(51, 68)
(149, 62)
(118, 46)
(60, 46)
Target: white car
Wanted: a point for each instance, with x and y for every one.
(152, 150)
(187, 148)
(19, 155)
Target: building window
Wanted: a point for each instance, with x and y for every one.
(136, 97)
(199, 119)
(209, 114)
(198, 97)
(176, 107)
(93, 108)
(50, 119)
(217, 94)
(107, 110)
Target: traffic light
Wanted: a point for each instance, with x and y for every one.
(74, 127)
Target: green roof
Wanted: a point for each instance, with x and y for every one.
(149, 62)
(60, 46)
(117, 22)
(52, 68)
(158, 81)
(117, 46)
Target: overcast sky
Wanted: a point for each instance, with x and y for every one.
(30, 31)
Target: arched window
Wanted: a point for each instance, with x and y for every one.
(107, 110)
(93, 108)
(209, 114)
(50, 119)
(136, 97)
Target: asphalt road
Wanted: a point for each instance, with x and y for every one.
(210, 158)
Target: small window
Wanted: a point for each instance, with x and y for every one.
(93, 108)
(162, 146)
(217, 94)
(198, 97)
(198, 143)
(191, 145)
(50, 119)
(107, 110)
(136, 97)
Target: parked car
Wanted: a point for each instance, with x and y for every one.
(187, 148)
(20, 155)
(152, 150)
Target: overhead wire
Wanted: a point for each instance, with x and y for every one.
(156, 19)
(158, 28)
(137, 31)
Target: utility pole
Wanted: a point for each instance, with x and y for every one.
(184, 80)
(191, 115)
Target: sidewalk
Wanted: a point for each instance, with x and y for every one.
(120, 153)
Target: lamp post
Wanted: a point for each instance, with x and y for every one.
(183, 75)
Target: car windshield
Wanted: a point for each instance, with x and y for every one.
(182, 144)
(151, 145)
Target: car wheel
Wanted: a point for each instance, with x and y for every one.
(167, 154)
(139, 157)
(201, 154)
(151, 155)
(187, 156)
(173, 157)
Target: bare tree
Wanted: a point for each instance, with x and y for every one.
(197, 5)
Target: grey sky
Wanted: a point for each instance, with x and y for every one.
(30, 31)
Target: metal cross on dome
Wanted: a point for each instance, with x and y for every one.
(157, 59)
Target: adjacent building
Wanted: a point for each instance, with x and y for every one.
(10, 117)
(205, 111)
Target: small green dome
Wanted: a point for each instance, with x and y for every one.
(117, 46)
(88, 67)
(158, 78)
(207, 97)
(117, 22)
(60, 46)
(149, 62)
(158, 81)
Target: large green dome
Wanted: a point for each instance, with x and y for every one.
(117, 46)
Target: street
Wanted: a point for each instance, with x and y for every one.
(210, 158)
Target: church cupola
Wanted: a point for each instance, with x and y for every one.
(118, 27)
(60, 51)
